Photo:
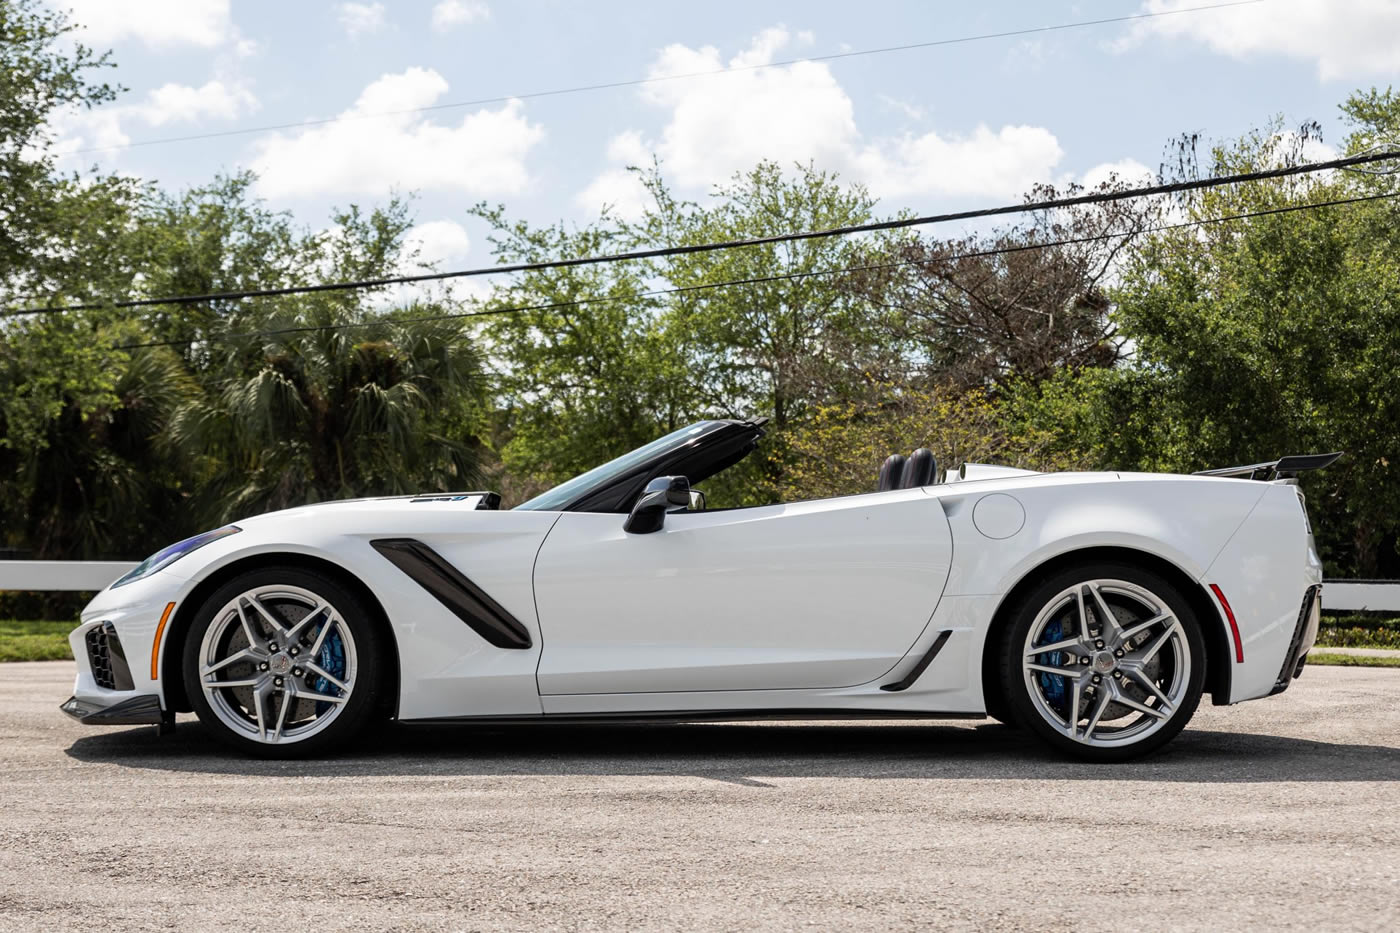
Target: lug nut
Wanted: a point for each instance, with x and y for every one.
(1097, 678)
(1098, 644)
(277, 681)
(296, 672)
(1118, 653)
(262, 666)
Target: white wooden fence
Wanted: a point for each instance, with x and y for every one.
(57, 575)
(75, 576)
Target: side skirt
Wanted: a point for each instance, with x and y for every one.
(679, 716)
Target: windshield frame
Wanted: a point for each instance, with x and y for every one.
(696, 451)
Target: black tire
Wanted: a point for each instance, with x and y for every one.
(1016, 693)
(366, 702)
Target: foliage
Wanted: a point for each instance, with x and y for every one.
(1257, 338)
(575, 384)
(1023, 303)
(1088, 337)
(229, 418)
(1359, 631)
(838, 451)
(318, 414)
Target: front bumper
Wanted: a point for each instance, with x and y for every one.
(140, 710)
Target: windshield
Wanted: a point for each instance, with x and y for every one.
(565, 492)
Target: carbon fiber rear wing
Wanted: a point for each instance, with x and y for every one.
(1282, 468)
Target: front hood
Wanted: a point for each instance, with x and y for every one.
(464, 501)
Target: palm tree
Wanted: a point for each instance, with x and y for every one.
(332, 401)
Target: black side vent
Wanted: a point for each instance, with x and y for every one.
(907, 681)
(107, 658)
(449, 586)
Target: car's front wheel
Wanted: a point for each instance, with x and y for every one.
(284, 662)
(1105, 661)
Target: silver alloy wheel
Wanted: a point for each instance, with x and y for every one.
(1106, 662)
(277, 664)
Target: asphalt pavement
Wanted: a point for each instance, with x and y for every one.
(1278, 814)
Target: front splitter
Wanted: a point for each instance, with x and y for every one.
(133, 711)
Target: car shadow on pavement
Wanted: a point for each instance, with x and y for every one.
(747, 753)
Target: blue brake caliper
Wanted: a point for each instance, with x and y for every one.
(332, 661)
(1053, 685)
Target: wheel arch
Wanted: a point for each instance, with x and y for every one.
(173, 683)
(1216, 638)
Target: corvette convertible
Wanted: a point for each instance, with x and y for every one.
(1092, 610)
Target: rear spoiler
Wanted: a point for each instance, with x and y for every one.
(1282, 468)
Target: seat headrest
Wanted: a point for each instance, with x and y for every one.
(891, 472)
(919, 469)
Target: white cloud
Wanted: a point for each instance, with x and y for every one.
(358, 19)
(438, 242)
(617, 188)
(1343, 38)
(483, 154)
(1001, 163)
(170, 103)
(911, 111)
(1125, 171)
(799, 113)
(174, 103)
(450, 13)
(204, 23)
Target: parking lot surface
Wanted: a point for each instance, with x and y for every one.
(1283, 813)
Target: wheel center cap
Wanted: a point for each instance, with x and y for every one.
(1104, 662)
(280, 663)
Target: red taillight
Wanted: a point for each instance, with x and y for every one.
(1234, 626)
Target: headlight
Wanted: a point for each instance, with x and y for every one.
(167, 556)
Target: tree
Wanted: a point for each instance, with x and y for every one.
(1262, 337)
(1021, 303)
(839, 450)
(792, 336)
(659, 344)
(50, 224)
(320, 396)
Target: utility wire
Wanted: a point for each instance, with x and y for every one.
(659, 78)
(1098, 197)
(759, 280)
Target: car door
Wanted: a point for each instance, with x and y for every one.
(826, 593)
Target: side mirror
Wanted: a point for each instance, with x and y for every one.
(661, 496)
(697, 501)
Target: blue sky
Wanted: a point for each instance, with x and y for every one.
(927, 129)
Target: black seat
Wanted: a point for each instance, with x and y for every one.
(891, 472)
(919, 469)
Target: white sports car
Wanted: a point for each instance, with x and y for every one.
(1092, 609)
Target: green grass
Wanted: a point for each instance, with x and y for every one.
(34, 641)
(1320, 656)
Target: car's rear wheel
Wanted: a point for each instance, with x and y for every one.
(1104, 661)
(284, 662)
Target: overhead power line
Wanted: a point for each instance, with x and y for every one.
(1097, 197)
(760, 280)
(636, 82)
